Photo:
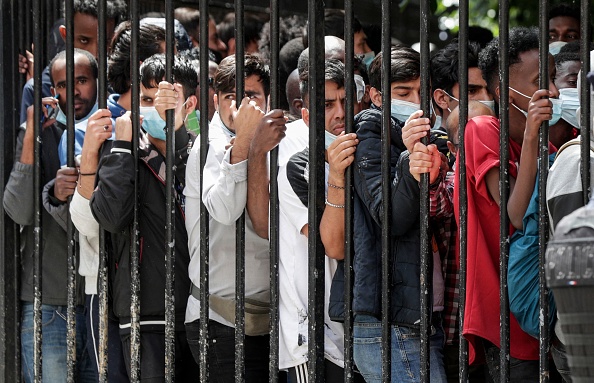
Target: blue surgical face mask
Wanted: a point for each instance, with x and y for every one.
(152, 123)
(78, 124)
(368, 58)
(557, 110)
(329, 138)
(401, 110)
(571, 103)
(557, 107)
(438, 120)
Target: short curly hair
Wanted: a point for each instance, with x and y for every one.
(521, 40)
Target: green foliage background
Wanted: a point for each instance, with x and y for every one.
(521, 13)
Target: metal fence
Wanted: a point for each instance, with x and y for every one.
(20, 27)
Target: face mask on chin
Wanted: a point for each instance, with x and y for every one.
(78, 124)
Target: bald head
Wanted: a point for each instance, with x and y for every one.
(475, 108)
(333, 49)
(294, 94)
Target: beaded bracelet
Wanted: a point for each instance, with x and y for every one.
(336, 187)
(334, 205)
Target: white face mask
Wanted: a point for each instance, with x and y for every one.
(360, 85)
(557, 107)
(329, 138)
(571, 104)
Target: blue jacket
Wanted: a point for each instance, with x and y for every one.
(405, 234)
(522, 272)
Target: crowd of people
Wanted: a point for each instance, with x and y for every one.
(103, 188)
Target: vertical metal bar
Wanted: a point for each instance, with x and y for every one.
(274, 204)
(169, 206)
(316, 253)
(386, 181)
(42, 49)
(585, 99)
(22, 40)
(102, 272)
(135, 235)
(204, 217)
(543, 217)
(11, 229)
(37, 277)
(349, 249)
(426, 258)
(240, 224)
(9, 264)
(504, 187)
(71, 262)
(28, 24)
(461, 169)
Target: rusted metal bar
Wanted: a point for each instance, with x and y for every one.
(37, 275)
(70, 232)
(169, 205)
(426, 254)
(102, 272)
(543, 216)
(316, 278)
(204, 217)
(504, 186)
(584, 97)
(240, 224)
(461, 169)
(386, 181)
(135, 235)
(274, 236)
(349, 248)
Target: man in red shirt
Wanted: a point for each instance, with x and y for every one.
(529, 107)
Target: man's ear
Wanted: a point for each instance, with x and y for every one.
(215, 99)
(297, 104)
(305, 115)
(191, 104)
(366, 97)
(452, 148)
(441, 99)
(62, 30)
(376, 97)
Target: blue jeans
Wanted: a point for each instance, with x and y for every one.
(53, 346)
(406, 345)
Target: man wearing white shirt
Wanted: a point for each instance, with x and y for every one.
(234, 133)
(294, 229)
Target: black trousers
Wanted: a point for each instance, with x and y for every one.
(221, 353)
(152, 357)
